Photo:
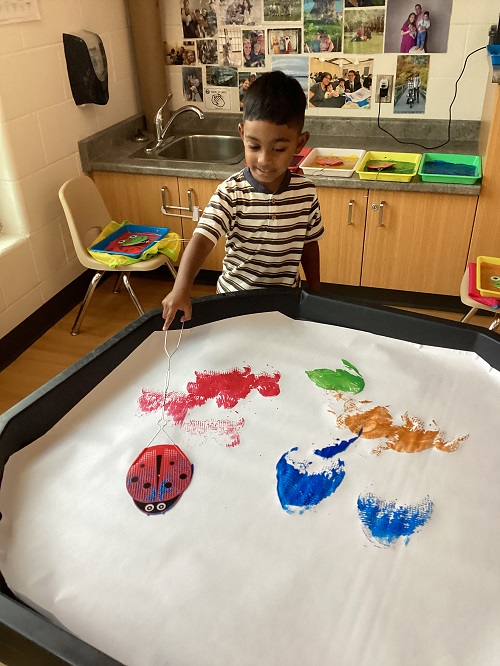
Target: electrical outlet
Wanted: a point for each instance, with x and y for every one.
(384, 85)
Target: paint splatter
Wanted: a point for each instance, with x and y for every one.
(300, 489)
(334, 449)
(338, 380)
(226, 431)
(227, 388)
(384, 522)
(410, 436)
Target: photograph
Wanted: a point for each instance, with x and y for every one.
(323, 26)
(296, 66)
(241, 12)
(283, 42)
(282, 10)
(192, 86)
(254, 48)
(222, 76)
(207, 51)
(245, 80)
(417, 28)
(180, 54)
(230, 46)
(364, 3)
(364, 30)
(340, 83)
(199, 18)
(410, 86)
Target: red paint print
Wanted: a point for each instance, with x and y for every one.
(221, 427)
(150, 401)
(228, 388)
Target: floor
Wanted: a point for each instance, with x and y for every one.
(57, 348)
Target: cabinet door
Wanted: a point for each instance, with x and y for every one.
(201, 191)
(343, 212)
(137, 198)
(417, 241)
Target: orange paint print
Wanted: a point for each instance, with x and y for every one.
(377, 422)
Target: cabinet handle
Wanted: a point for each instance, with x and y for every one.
(380, 214)
(349, 211)
(194, 209)
(167, 210)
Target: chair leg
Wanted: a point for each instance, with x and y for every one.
(135, 301)
(81, 312)
(118, 284)
(171, 268)
(495, 323)
(469, 315)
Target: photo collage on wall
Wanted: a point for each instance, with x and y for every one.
(329, 46)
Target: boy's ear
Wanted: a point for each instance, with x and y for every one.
(303, 139)
(241, 130)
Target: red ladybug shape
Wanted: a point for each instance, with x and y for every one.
(158, 477)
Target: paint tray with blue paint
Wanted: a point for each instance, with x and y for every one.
(130, 240)
(450, 168)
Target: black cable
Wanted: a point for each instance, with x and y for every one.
(413, 143)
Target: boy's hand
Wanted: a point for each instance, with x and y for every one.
(173, 302)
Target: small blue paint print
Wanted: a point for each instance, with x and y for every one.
(384, 522)
(299, 490)
(334, 449)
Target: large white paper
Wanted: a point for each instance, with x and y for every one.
(228, 575)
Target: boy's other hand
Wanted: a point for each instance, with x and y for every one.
(173, 302)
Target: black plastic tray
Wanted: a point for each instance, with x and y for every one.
(26, 637)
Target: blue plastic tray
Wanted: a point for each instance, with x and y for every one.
(127, 230)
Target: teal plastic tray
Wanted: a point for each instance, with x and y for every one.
(448, 160)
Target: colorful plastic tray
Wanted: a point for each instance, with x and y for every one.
(108, 244)
(450, 159)
(310, 167)
(486, 267)
(414, 158)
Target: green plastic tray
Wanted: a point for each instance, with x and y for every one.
(470, 160)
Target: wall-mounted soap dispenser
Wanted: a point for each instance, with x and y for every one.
(87, 67)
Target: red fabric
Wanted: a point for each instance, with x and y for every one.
(474, 293)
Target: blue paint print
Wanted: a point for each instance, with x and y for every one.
(334, 449)
(299, 490)
(384, 522)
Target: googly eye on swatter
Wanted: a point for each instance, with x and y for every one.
(495, 279)
(158, 477)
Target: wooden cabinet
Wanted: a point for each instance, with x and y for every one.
(201, 190)
(412, 241)
(343, 212)
(417, 241)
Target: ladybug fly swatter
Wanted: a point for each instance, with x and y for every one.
(158, 477)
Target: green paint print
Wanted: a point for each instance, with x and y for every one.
(403, 168)
(338, 380)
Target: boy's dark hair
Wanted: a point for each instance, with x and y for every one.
(277, 98)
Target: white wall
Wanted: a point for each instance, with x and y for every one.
(469, 27)
(40, 126)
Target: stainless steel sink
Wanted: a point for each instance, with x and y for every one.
(201, 148)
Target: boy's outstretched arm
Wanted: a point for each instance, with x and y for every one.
(310, 264)
(197, 250)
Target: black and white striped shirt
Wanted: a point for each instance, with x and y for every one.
(265, 231)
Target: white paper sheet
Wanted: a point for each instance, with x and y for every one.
(228, 576)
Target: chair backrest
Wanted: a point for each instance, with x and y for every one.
(86, 213)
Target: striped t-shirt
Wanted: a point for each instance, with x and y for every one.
(265, 232)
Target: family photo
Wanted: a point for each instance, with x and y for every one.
(323, 26)
(364, 30)
(410, 91)
(417, 28)
(199, 18)
(340, 84)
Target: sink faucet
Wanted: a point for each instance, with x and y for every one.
(162, 132)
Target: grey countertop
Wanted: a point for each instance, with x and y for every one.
(113, 148)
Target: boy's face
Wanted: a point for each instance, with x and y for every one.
(269, 149)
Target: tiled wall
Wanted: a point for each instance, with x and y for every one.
(469, 27)
(40, 126)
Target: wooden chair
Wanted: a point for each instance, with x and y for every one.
(87, 215)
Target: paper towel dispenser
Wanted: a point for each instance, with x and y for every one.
(87, 67)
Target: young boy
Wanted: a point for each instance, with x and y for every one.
(269, 215)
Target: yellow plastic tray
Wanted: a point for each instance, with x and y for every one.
(486, 267)
(388, 157)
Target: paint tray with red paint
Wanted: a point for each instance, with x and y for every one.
(130, 240)
(340, 162)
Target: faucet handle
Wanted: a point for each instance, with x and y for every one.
(159, 116)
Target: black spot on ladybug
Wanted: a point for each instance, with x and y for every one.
(172, 462)
(134, 479)
(182, 476)
(168, 485)
(147, 485)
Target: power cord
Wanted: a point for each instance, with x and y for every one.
(413, 143)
